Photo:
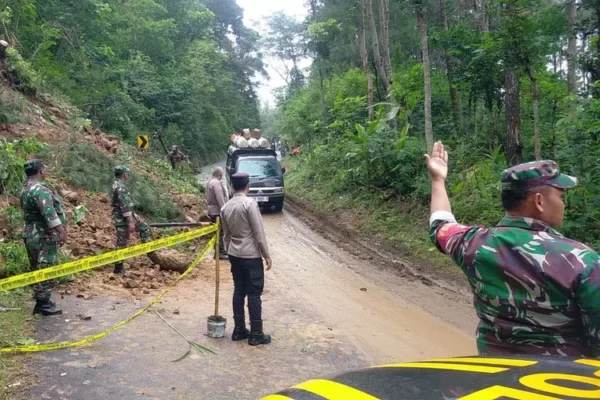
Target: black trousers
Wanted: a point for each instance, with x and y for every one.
(249, 281)
(222, 251)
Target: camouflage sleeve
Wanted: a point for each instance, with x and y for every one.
(588, 299)
(45, 204)
(449, 236)
(125, 202)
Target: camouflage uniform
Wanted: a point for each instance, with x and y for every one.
(122, 208)
(535, 291)
(42, 212)
(176, 156)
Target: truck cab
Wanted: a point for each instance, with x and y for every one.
(266, 175)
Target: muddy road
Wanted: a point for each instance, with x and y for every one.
(328, 312)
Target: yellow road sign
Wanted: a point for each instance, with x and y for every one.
(143, 142)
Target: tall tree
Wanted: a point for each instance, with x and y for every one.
(362, 37)
(379, 65)
(571, 46)
(454, 96)
(512, 106)
(384, 25)
(426, 75)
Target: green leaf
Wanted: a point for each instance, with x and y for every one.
(184, 356)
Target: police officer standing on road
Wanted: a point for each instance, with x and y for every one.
(45, 230)
(246, 244)
(216, 197)
(535, 291)
(125, 220)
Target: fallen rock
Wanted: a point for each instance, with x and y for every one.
(84, 317)
(172, 260)
(131, 284)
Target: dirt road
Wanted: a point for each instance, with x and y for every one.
(328, 312)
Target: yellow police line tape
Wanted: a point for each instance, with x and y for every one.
(98, 336)
(74, 267)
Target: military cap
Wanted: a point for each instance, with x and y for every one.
(535, 174)
(121, 169)
(240, 179)
(34, 164)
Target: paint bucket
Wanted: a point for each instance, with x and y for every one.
(216, 326)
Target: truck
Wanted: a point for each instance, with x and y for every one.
(266, 175)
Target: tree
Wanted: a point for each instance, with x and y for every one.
(362, 36)
(379, 63)
(426, 75)
(571, 46)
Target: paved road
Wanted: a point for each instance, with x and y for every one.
(328, 312)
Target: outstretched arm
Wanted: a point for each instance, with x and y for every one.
(437, 165)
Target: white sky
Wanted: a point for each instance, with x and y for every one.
(254, 13)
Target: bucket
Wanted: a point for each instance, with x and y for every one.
(216, 326)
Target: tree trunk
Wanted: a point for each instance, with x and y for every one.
(384, 22)
(572, 46)
(376, 53)
(553, 124)
(454, 95)
(513, 118)
(313, 8)
(536, 116)
(427, 78)
(365, 59)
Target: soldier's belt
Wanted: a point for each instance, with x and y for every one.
(112, 257)
(98, 336)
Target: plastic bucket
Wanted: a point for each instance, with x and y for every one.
(216, 327)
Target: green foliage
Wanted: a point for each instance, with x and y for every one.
(15, 259)
(13, 155)
(184, 67)
(83, 165)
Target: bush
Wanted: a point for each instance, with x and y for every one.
(15, 259)
(83, 165)
(12, 157)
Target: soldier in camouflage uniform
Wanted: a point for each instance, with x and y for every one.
(535, 291)
(125, 220)
(45, 230)
(176, 156)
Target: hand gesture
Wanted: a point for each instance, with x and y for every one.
(437, 162)
(269, 263)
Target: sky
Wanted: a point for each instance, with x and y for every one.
(254, 13)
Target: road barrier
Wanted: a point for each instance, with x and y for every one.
(89, 263)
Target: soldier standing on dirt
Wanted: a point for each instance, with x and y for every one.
(216, 197)
(45, 231)
(246, 244)
(535, 291)
(125, 220)
(176, 156)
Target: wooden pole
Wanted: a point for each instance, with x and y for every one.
(217, 265)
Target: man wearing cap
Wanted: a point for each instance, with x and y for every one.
(246, 245)
(535, 291)
(176, 156)
(216, 199)
(125, 220)
(45, 231)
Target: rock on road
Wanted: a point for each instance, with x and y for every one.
(328, 312)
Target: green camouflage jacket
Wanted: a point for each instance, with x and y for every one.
(535, 291)
(42, 211)
(122, 203)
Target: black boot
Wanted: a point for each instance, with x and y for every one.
(119, 269)
(257, 337)
(46, 308)
(240, 332)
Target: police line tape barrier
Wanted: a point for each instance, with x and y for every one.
(63, 345)
(73, 267)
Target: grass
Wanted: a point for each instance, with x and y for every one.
(397, 223)
(15, 328)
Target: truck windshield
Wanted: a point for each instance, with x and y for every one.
(260, 168)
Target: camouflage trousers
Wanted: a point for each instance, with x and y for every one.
(42, 253)
(123, 237)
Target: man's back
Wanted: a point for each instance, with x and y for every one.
(243, 229)
(533, 288)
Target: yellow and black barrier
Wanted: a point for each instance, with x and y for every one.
(112, 257)
(98, 261)
(462, 378)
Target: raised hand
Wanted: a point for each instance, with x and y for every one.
(437, 162)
